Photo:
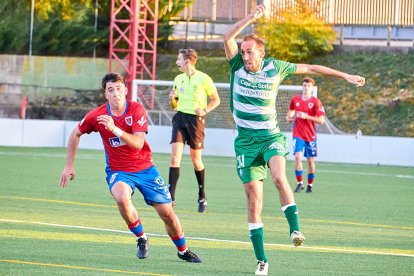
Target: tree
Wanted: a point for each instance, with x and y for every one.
(66, 27)
(66, 8)
(14, 34)
(61, 27)
(296, 34)
(167, 10)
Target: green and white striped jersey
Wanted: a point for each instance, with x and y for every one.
(253, 95)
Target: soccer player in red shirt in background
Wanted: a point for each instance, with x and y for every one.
(123, 125)
(306, 111)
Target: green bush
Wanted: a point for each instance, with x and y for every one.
(14, 34)
(168, 9)
(296, 35)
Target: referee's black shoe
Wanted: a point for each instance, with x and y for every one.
(202, 205)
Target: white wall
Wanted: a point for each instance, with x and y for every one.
(396, 151)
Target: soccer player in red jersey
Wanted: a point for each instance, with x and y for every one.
(306, 111)
(123, 125)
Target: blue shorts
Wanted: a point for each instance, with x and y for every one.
(149, 182)
(310, 149)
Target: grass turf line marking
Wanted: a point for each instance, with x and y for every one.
(215, 164)
(307, 248)
(67, 202)
(50, 155)
(360, 224)
(82, 268)
(60, 201)
(189, 212)
(369, 174)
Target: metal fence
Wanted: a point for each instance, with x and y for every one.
(357, 12)
(373, 20)
(336, 12)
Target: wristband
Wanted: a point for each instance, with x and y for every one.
(118, 132)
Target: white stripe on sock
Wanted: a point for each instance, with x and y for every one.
(253, 226)
(287, 206)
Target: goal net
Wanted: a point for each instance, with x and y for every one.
(153, 94)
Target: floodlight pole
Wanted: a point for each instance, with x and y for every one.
(31, 26)
(95, 25)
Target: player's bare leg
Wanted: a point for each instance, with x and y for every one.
(121, 192)
(170, 219)
(196, 158)
(311, 165)
(277, 165)
(254, 197)
(176, 154)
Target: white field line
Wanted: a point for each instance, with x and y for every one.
(380, 226)
(215, 164)
(81, 268)
(314, 248)
(369, 174)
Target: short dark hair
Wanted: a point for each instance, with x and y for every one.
(112, 77)
(190, 54)
(308, 80)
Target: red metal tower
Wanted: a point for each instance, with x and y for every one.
(133, 40)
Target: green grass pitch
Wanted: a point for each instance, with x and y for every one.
(358, 221)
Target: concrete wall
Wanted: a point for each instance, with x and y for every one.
(396, 151)
(46, 75)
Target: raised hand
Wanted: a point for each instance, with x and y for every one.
(258, 11)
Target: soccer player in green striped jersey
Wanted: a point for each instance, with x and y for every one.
(254, 83)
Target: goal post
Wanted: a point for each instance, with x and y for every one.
(153, 94)
(219, 85)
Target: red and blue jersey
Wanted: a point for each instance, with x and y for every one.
(120, 156)
(306, 129)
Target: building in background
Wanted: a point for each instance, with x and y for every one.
(384, 20)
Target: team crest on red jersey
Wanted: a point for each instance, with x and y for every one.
(310, 105)
(128, 120)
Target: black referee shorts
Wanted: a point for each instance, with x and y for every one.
(188, 129)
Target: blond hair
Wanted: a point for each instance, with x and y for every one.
(259, 41)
